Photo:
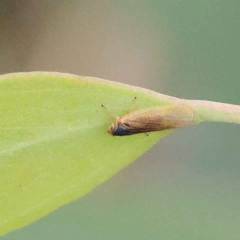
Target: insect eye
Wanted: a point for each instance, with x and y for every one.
(111, 127)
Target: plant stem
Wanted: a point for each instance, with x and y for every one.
(207, 111)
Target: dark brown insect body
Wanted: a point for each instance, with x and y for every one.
(152, 119)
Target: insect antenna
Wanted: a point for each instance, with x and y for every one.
(128, 111)
(115, 117)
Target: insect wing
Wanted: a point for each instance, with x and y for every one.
(157, 119)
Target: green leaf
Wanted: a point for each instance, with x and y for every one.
(54, 146)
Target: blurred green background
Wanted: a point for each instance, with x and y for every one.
(188, 185)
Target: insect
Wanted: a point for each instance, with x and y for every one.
(151, 119)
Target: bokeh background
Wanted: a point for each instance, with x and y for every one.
(188, 185)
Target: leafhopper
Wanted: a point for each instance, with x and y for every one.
(152, 119)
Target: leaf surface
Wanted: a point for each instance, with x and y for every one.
(54, 146)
